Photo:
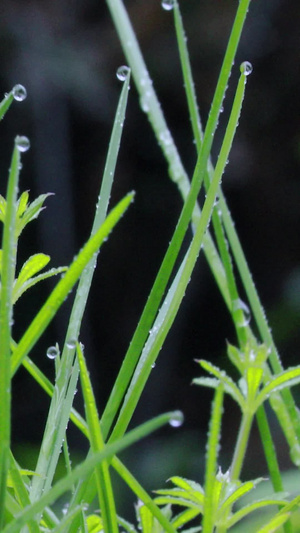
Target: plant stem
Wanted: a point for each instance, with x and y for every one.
(241, 446)
(9, 247)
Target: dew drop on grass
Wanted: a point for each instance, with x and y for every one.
(52, 352)
(246, 68)
(19, 92)
(122, 72)
(167, 5)
(22, 143)
(177, 419)
(71, 343)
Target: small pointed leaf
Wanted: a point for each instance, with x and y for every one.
(288, 378)
(22, 203)
(34, 264)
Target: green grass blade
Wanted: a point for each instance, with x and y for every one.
(169, 310)
(6, 103)
(48, 387)
(59, 414)
(9, 250)
(54, 433)
(60, 292)
(103, 481)
(116, 463)
(188, 78)
(64, 524)
(140, 72)
(85, 468)
(21, 491)
(195, 119)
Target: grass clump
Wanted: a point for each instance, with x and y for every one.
(28, 498)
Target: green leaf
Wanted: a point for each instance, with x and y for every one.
(22, 203)
(36, 279)
(288, 378)
(229, 385)
(34, 264)
(31, 213)
(254, 506)
(94, 523)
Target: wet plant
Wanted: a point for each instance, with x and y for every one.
(28, 498)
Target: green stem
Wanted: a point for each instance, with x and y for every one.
(241, 446)
(212, 460)
(9, 247)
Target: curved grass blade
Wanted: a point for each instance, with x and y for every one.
(124, 473)
(84, 469)
(60, 292)
(58, 417)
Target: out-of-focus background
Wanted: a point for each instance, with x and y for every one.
(66, 54)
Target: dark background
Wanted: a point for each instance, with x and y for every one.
(66, 54)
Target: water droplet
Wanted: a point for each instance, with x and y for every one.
(19, 92)
(123, 72)
(177, 419)
(22, 143)
(168, 5)
(153, 365)
(71, 343)
(52, 352)
(246, 68)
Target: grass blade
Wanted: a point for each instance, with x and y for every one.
(60, 292)
(176, 293)
(103, 481)
(84, 469)
(9, 250)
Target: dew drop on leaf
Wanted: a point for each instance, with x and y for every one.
(19, 92)
(168, 5)
(177, 419)
(246, 68)
(52, 352)
(71, 343)
(22, 143)
(122, 72)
